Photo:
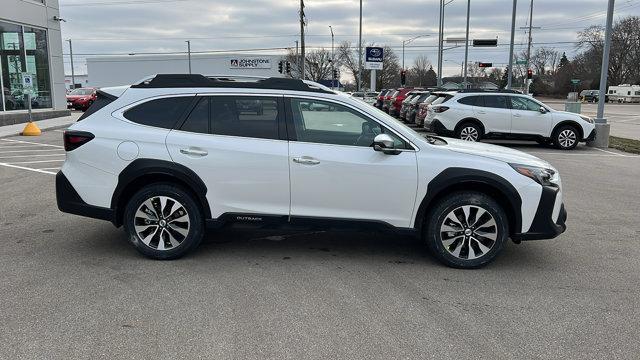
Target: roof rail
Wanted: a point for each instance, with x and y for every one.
(498, 91)
(220, 81)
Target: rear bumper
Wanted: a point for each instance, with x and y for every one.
(543, 225)
(70, 202)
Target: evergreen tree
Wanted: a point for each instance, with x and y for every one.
(431, 78)
(505, 78)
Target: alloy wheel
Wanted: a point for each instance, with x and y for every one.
(468, 232)
(469, 133)
(161, 223)
(567, 138)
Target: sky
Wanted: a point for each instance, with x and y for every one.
(101, 27)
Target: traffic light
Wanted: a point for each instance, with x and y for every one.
(485, 65)
(288, 67)
(529, 74)
(335, 74)
(280, 67)
(403, 77)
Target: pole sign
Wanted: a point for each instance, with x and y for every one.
(250, 63)
(374, 57)
(27, 81)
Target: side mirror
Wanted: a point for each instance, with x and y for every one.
(385, 143)
(542, 110)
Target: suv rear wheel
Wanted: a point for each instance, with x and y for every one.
(566, 137)
(163, 221)
(466, 230)
(469, 131)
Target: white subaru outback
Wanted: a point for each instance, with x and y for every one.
(176, 154)
(473, 114)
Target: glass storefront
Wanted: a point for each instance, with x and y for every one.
(24, 54)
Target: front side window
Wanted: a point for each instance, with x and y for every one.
(471, 101)
(520, 103)
(329, 123)
(498, 102)
(245, 116)
(162, 113)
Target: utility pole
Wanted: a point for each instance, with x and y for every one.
(360, 52)
(440, 38)
(297, 60)
(73, 73)
(513, 34)
(189, 54)
(602, 128)
(302, 24)
(526, 88)
(333, 66)
(466, 46)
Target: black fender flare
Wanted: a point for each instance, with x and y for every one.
(460, 179)
(163, 170)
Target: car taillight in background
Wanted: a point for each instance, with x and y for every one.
(75, 139)
(439, 109)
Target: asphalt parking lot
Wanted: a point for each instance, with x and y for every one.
(72, 287)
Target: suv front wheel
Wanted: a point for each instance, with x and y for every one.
(163, 221)
(466, 230)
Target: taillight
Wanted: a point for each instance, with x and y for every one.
(75, 139)
(440, 109)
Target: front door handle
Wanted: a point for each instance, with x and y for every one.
(305, 160)
(517, 115)
(194, 152)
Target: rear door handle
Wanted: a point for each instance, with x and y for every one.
(194, 152)
(305, 160)
(517, 115)
(482, 112)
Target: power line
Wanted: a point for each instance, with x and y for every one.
(125, 3)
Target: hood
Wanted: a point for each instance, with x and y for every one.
(566, 114)
(495, 152)
(76, 97)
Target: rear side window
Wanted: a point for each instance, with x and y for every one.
(162, 113)
(441, 100)
(102, 100)
(245, 116)
(498, 102)
(198, 119)
(472, 101)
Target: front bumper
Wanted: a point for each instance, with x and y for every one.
(70, 202)
(543, 225)
(592, 136)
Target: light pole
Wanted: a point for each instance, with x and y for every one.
(404, 42)
(73, 73)
(466, 46)
(513, 34)
(333, 68)
(360, 52)
(189, 54)
(443, 3)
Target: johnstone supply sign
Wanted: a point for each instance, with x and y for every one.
(374, 57)
(250, 63)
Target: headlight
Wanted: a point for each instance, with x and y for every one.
(587, 119)
(542, 176)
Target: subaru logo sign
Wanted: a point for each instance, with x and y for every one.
(374, 57)
(375, 52)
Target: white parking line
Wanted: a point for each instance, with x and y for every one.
(22, 151)
(53, 168)
(609, 152)
(36, 161)
(27, 168)
(33, 143)
(34, 156)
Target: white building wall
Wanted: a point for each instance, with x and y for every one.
(125, 70)
(35, 13)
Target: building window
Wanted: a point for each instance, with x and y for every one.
(24, 53)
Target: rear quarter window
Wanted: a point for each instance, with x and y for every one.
(163, 113)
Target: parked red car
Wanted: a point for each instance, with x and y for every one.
(81, 98)
(396, 101)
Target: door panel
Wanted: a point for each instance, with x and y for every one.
(333, 180)
(527, 118)
(493, 111)
(242, 174)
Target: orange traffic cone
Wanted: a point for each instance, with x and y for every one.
(31, 130)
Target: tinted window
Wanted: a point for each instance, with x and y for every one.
(471, 101)
(100, 102)
(441, 99)
(520, 103)
(499, 102)
(163, 113)
(198, 119)
(329, 123)
(245, 116)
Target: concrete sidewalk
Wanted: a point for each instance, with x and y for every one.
(49, 124)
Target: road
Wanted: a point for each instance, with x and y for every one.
(73, 288)
(624, 118)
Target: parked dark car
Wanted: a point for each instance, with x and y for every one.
(404, 107)
(381, 96)
(412, 109)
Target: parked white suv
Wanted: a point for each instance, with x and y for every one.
(475, 114)
(176, 154)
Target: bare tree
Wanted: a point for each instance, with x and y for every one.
(417, 74)
(544, 60)
(318, 64)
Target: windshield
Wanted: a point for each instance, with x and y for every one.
(81, 92)
(412, 133)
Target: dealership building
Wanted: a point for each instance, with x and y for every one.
(124, 70)
(30, 60)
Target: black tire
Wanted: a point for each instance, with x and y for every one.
(168, 233)
(437, 220)
(469, 131)
(566, 137)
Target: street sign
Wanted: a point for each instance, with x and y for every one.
(521, 62)
(374, 57)
(575, 81)
(485, 42)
